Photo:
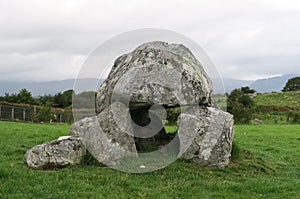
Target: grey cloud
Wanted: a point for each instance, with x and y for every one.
(258, 38)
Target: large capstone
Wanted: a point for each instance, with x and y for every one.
(156, 73)
(167, 76)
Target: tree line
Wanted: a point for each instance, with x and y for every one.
(239, 101)
(59, 100)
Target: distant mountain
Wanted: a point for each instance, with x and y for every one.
(50, 87)
(274, 84)
(230, 84)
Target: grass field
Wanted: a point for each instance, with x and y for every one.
(277, 108)
(282, 99)
(266, 165)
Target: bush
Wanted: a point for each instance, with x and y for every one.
(293, 117)
(42, 115)
(235, 152)
(67, 115)
(293, 84)
(268, 116)
(240, 105)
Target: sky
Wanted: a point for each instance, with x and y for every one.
(51, 39)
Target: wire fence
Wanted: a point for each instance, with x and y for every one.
(34, 114)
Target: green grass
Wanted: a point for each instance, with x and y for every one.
(266, 165)
(282, 99)
(278, 108)
(171, 129)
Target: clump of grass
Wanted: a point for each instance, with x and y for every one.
(4, 175)
(171, 128)
(236, 152)
(247, 159)
(89, 160)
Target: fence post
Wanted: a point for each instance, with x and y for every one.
(13, 114)
(60, 117)
(24, 115)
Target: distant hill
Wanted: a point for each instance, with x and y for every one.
(230, 84)
(274, 84)
(52, 87)
(282, 99)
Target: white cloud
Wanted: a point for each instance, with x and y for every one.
(247, 39)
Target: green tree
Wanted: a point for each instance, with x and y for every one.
(45, 100)
(63, 100)
(240, 104)
(293, 84)
(248, 90)
(10, 98)
(24, 96)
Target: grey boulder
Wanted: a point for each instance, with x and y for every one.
(56, 153)
(156, 73)
(106, 140)
(213, 135)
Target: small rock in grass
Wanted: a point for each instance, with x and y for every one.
(142, 167)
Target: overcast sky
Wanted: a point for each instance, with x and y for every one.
(50, 39)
